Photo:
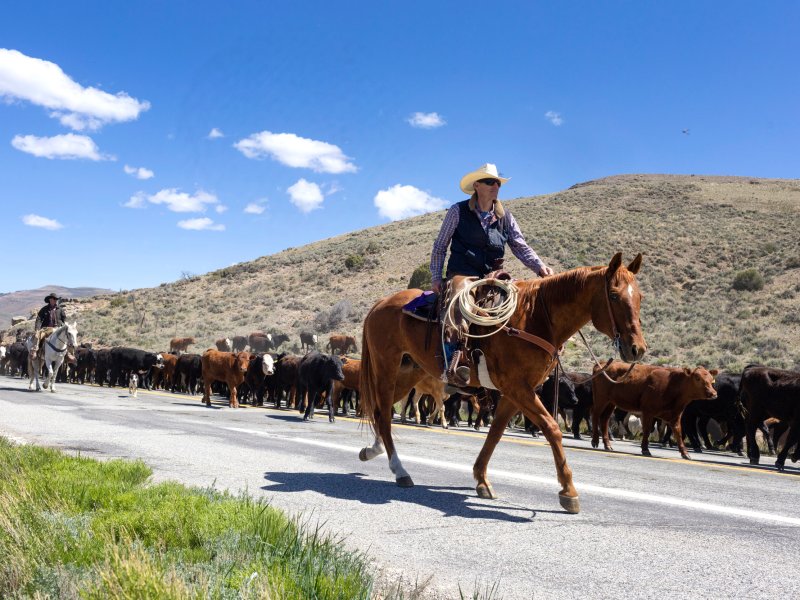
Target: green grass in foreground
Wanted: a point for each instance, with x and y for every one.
(79, 528)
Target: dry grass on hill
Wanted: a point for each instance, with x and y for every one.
(697, 234)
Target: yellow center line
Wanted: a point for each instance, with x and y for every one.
(506, 440)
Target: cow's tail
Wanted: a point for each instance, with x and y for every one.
(366, 382)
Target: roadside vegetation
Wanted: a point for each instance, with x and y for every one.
(72, 527)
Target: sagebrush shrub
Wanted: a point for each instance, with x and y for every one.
(748, 280)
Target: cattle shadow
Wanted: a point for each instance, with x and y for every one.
(450, 501)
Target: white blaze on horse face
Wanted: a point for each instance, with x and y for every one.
(630, 291)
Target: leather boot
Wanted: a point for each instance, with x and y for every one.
(458, 375)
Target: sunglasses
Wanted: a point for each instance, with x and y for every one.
(489, 182)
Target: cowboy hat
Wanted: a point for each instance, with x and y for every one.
(483, 172)
(51, 295)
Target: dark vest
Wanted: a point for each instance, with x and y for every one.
(473, 250)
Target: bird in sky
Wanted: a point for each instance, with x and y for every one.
(685, 131)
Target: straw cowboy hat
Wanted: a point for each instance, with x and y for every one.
(50, 295)
(483, 172)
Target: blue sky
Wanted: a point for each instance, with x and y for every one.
(106, 110)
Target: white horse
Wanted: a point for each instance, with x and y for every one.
(52, 354)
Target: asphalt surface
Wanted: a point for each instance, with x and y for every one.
(713, 527)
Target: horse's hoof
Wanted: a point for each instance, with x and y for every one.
(646, 453)
(362, 456)
(686, 457)
(485, 491)
(571, 504)
(405, 482)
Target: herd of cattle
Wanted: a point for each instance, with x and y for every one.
(249, 369)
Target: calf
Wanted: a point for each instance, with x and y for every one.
(767, 392)
(227, 367)
(261, 366)
(316, 373)
(342, 343)
(260, 342)
(164, 377)
(308, 341)
(652, 392)
(285, 380)
(132, 360)
(188, 371)
(351, 368)
(224, 345)
(582, 384)
(180, 345)
(102, 366)
(725, 409)
(238, 343)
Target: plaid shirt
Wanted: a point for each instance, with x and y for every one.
(516, 241)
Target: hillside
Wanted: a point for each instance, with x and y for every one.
(22, 302)
(697, 233)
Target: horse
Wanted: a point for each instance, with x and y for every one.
(551, 310)
(54, 350)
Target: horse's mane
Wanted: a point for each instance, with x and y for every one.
(553, 289)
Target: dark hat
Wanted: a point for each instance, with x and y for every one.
(50, 295)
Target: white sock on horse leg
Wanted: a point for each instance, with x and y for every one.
(397, 467)
(375, 450)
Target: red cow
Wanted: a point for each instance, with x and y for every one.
(180, 344)
(342, 343)
(224, 366)
(651, 392)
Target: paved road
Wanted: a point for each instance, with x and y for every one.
(710, 528)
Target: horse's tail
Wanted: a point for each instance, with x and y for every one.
(366, 381)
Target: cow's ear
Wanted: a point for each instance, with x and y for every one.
(616, 261)
(687, 370)
(714, 372)
(636, 263)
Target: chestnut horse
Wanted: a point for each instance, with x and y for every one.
(553, 308)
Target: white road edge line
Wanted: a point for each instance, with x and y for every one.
(551, 482)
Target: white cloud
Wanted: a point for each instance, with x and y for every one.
(215, 134)
(68, 146)
(305, 195)
(138, 200)
(43, 83)
(294, 151)
(178, 201)
(254, 208)
(220, 208)
(426, 120)
(554, 117)
(329, 189)
(403, 201)
(43, 222)
(201, 224)
(139, 172)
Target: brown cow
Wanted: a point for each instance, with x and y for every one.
(342, 343)
(428, 385)
(260, 341)
(651, 392)
(351, 367)
(224, 345)
(224, 366)
(180, 344)
(163, 377)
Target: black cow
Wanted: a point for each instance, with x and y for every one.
(279, 339)
(308, 340)
(102, 366)
(284, 379)
(725, 409)
(567, 400)
(127, 361)
(582, 384)
(86, 361)
(188, 371)
(260, 342)
(255, 378)
(767, 392)
(239, 343)
(17, 359)
(316, 373)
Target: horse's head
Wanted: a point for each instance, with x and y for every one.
(72, 335)
(615, 309)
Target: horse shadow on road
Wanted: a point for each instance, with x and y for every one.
(450, 501)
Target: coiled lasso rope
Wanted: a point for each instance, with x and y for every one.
(484, 317)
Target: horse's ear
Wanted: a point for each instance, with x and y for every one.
(636, 264)
(687, 370)
(615, 263)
